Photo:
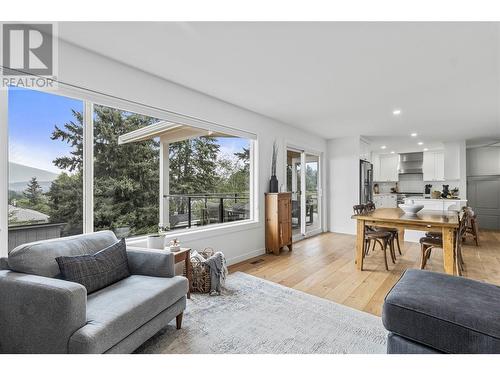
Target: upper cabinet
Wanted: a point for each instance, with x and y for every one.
(452, 160)
(376, 167)
(433, 166)
(385, 168)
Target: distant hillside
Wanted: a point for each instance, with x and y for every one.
(19, 175)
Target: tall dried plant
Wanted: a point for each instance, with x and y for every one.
(274, 159)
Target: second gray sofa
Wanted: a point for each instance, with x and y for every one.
(41, 313)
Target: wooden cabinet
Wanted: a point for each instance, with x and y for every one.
(433, 166)
(385, 168)
(278, 222)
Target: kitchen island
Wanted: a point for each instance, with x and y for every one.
(434, 205)
(441, 204)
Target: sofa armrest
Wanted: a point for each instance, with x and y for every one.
(150, 262)
(39, 314)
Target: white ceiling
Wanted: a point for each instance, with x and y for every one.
(333, 79)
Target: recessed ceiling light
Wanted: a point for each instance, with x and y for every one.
(426, 149)
(413, 134)
(383, 147)
(420, 143)
(396, 112)
(392, 152)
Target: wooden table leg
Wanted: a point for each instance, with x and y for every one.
(189, 275)
(401, 236)
(360, 244)
(448, 251)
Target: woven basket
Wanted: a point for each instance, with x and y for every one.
(200, 272)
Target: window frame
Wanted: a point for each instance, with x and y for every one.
(91, 98)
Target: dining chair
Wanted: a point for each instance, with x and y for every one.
(433, 241)
(370, 206)
(472, 227)
(383, 238)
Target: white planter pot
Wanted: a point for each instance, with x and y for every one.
(156, 242)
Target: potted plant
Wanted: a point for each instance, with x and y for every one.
(273, 183)
(157, 240)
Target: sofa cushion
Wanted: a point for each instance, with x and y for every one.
(115, 312)
(98, 270)
(39, 258)
(449, 314)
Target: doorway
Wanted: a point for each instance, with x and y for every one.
(304, 183)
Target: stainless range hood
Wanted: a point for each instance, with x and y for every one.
(411, 163)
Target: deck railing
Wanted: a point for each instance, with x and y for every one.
(188, 210)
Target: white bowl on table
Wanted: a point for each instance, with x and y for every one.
(411, 208)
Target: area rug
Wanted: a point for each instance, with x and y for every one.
(257, 316)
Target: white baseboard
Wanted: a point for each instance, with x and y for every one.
(243, 257)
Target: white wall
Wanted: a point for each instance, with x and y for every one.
(343, 174)
(97, 73)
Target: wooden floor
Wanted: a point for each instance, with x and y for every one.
(324, 266)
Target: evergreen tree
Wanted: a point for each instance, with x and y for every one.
(126, 176)
(33, 192)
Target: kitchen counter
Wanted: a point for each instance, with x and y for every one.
(441, 204)
(435, 199)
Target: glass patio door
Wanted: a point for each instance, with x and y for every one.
(312, 206)
(303, 181)
(294, 185)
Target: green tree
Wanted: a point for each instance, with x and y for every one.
(193, 166)
(33, 192)
(66, 202)
(126, 176)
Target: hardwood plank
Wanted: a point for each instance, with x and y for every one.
(324, 266)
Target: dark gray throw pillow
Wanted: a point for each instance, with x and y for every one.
(96, 271)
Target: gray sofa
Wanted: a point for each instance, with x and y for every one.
(428, 312)
(41, 313)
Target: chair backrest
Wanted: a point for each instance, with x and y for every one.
(463, 219)
(39, 258)
(370, 206)
(359, 209)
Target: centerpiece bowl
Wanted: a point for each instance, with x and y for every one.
(411, 209)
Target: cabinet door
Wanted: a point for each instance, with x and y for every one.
(376, 167)
(392, 201)
(428, 166)
(394, 160)
(389, 167)
(439, 166)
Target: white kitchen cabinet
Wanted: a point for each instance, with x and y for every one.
(439, 204)
(376, 167)
(388, 168)
(433, 166)
(385, 200)
(452, 160)
(378, 200)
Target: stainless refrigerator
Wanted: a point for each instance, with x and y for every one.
(365, 182)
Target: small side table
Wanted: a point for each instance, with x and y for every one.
(184, 255)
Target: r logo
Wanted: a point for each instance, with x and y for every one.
(28, 48)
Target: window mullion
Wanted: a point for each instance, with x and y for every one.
(88, 167)
(4, 172)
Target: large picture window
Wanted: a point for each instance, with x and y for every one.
(45, 166)
(146, 172)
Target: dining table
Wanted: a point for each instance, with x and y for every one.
(445, 222)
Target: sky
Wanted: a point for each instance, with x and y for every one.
(32, 117)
